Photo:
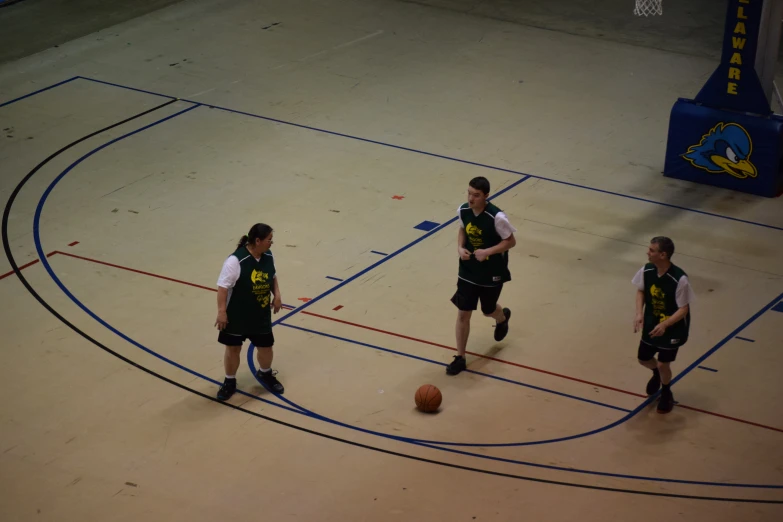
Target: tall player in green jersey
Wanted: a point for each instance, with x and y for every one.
(483, 241)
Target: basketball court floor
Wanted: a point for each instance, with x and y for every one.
(133, 159)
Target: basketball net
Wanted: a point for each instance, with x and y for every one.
(648, 8)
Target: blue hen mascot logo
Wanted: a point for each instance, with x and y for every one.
(725, 149)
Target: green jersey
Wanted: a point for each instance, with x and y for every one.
(248, 309)
(481, 234)
(660, 303)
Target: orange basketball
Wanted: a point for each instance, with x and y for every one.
(428, 398)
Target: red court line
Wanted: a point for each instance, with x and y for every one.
(735, 419)
(31, 263)
(136, 271)
(730, 418)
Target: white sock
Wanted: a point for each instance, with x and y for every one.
(264, 371)
(231, 376)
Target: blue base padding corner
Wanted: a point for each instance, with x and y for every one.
(734, 150)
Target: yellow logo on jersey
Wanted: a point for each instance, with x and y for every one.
(474, 236)
(259, 277)
(261, 287)
(658, 303)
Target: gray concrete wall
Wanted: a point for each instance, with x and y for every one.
(693, 27)
(34, 25)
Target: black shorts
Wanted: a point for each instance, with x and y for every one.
(266, 340)
(665, 355)
(467, 297)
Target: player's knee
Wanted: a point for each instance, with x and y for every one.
(663, 366)
(463, 316)
(644, 362)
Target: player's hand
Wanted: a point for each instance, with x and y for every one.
(638, 323)
(481, 255)
(464, 254)
(277, 303)
(659, 330)
(222, 321)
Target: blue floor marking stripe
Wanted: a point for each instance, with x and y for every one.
(110, 84)
(20, 98)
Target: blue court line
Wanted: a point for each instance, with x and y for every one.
(443, 446)
(449, 158)
(333, 278)
(745, 339)
(379, 253)
(40, 91)
(708, 369)
(45, 263)
(778, 307)
(432, 361)
(137, 90)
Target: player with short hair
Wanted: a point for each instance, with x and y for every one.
(663, 314)
(483, 241)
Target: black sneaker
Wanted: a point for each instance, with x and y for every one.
(666, 402)
(270, 382)
(227, 390)
(654, 384)
(501, 329)
(456, 366)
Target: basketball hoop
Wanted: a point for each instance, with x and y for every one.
(648, 8)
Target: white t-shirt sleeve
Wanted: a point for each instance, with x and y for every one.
(684, 295)
(638, 280)
(230, 273)
(503, 227)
